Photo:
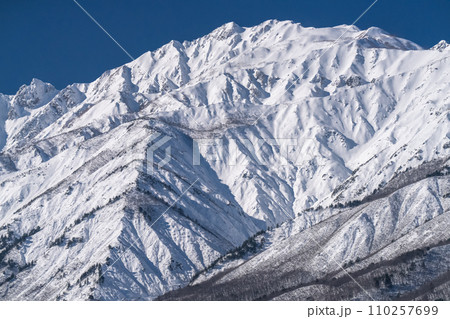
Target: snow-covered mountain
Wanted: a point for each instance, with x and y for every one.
(289, 122)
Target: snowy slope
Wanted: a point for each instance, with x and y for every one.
(402, 237)
(359, 109)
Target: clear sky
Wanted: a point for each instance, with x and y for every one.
(53, 40)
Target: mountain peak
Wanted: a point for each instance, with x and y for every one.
(231, 26)
(375, 37)
(227, 30)
(36, 94)
(441, 46)
(375, 32)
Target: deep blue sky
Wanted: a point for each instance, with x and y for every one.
(53, 40)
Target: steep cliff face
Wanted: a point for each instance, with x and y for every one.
(259, 125)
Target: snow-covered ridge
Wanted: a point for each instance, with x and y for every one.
(363, 107)
(393, 247)
(441, 46)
